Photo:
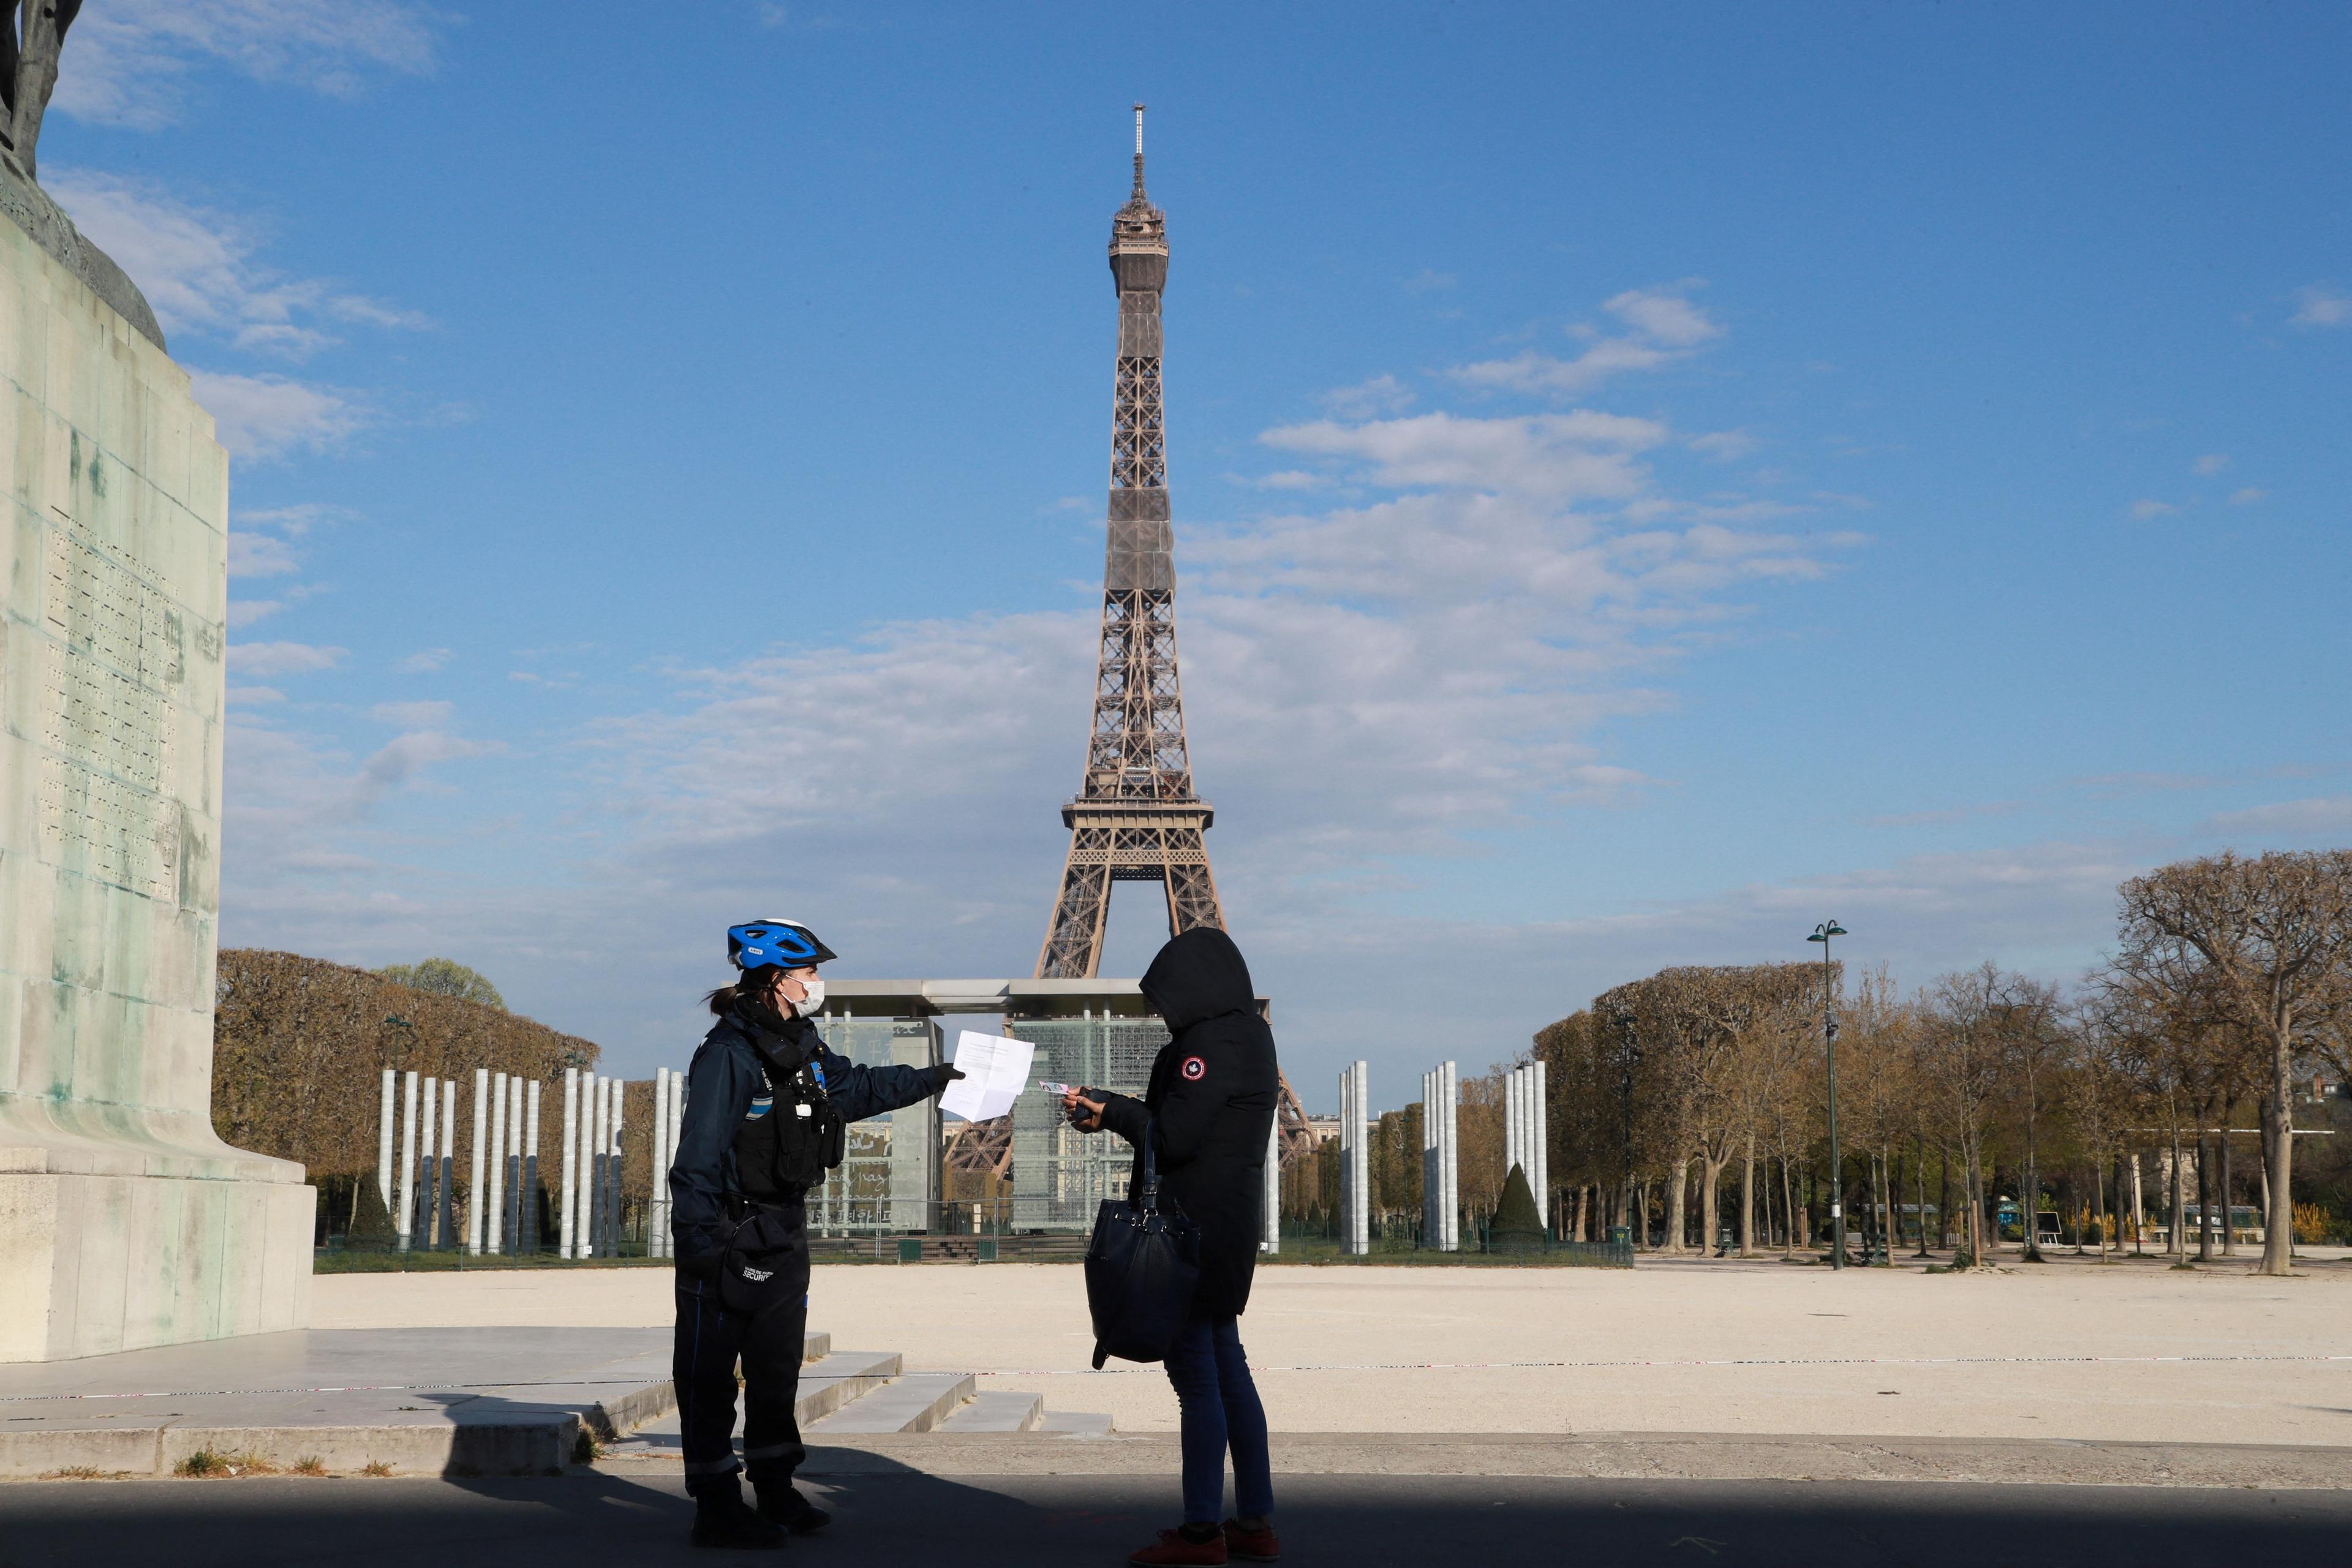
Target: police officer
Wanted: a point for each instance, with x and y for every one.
(767, 1107)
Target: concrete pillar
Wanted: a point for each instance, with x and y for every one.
(1355, 1165)
(566, 1213)
(513, 1209)
(657, 1219)
(1539, 1142)
(383, 1142)
(429, 1167)
(445, 1210)
(474, 1188)
(404, 1213)
(599, 1137)
(494, 1206)
(1270, 1240)
(1447, 1167)
(2138, 1202)
(613, 1169)
(531, 1236)
(1347, 1159)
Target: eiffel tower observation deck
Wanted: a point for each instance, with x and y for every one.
(1135, 817)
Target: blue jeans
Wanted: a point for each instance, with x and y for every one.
(1221, 1410)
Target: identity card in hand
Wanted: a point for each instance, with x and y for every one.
(995, 1070)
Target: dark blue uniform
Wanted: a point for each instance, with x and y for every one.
(729, 1090)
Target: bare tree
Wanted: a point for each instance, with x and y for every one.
(1965, 1058)
(2266, 945)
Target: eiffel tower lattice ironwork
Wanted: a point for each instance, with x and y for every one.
(1135, 817)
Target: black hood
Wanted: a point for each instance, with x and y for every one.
(1198, 974)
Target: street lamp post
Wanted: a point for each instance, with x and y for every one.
(1822, 933)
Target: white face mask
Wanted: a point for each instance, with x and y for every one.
(810, 1005)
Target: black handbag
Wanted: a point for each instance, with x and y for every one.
(1142, 1264)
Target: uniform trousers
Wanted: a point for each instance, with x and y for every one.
(709, 1341)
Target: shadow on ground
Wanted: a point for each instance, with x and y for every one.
(907, 1518)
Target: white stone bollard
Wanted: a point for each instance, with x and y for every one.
(599, 1126)
(514, 1163)
(1449, 1167)
(1355, 1172)
(474, 1190)
(1272, 1240)
(613, 1170)
(404, 1214)
(1539, 1142)
(566, 1211)
(445, 1212)
(657, 1217)
(494, 1204)
(383, 1142)
(430, 1164)
(531, 1236)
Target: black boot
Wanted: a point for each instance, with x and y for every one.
(785, 1505)
(721, 1520)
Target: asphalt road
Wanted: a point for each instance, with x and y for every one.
(909, 1518)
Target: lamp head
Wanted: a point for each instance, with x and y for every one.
(1825, 930)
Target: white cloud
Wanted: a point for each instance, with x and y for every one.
(1664, 316)
(196, 268)
(423, 661)
(242, 612)
(2320, 815)
(771, 15)
(1724, 446)
(1664, 327)
(263, 418)
(2319, 306)
(1292, 479)
(1565, 456)
(259, 554)
(1430, 281)
(412, 715)
(268, 658)
(2212, 463)
(252, 696)
(2144, 509)
(1382, 395)
(2248, 496)
(128, 62)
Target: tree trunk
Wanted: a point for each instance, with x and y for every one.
(2180, 1233)
(1677, 1208)
(1747, 1200)
(1710, 1207)
(1943, 1197)
(1788, 1210)
(2139, 1205)
(2204, 1202)
(2278, 1233)
(1802, 1216)
(2099, 1205)
(2228, 1195)
(1919, 1185)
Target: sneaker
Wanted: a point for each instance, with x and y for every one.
(785, 1506)
(1252, 1545)
(730, 1526)
(1174, 1551)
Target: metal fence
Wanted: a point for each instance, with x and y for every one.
(1061, 1176)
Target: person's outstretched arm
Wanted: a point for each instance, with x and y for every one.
(719, 1086)
(858, 1093)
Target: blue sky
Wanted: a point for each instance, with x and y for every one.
(1645, 484)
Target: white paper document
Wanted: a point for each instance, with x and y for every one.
(995, 1070)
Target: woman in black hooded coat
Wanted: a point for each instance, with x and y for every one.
(1210, 1112)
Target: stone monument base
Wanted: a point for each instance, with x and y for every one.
(125, 1222)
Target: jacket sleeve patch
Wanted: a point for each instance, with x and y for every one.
(1195, 1070)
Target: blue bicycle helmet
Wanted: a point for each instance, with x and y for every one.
(774, 944)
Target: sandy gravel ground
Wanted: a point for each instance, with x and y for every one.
(1760, 1347)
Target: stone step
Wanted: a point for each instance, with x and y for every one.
(841, 1377)
(912, 1403)
(816, 1346)
(998, 1410)
(1073, 1424)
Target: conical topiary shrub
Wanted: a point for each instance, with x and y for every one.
(373, 1224)
(1518, 1225)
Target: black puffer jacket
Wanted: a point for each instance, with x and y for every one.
(1210, 1106)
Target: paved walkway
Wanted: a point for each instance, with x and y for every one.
(2128, 1351)
(909, 1520)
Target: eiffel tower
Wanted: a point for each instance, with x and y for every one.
(1135, 817)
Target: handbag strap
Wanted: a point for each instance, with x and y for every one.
(1150, 1199)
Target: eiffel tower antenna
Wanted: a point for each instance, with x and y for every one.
(1135, 817)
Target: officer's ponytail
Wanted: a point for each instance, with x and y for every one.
(756, 986)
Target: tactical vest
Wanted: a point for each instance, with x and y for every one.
(791, 1135)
